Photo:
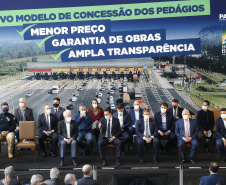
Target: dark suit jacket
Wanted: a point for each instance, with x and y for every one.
(140, 128)
(115, 129)
(133, 117)
(211, 179)
(28, 115)
(87, 181)
(42, 124)
(62, 130)
(54, 182)
(220, 129)
(126, 119)
(13, 181)
(59, 113)
(200, 120)
(179, 111)
(169, 121)
(180, 130)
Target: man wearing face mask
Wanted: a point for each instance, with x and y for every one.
(186, 130)
(125, 122)
(166, 126)
(109, 134)
(67, 134)
(135, 113)
(22, 113)
(85, 121)
(7, 127)
(147, 132)
(205, 122)
(221, 134)
(57, 110)
(175, 110)
(47, 125)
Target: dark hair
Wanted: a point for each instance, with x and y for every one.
(120, 106)
(164, 104)
(98, 107)
(175, 100)
(208, 103)
(4, 103)
(57, 99)
(107, 109)
(223, 109)
(214, 166)
(146, 110)
(220, 183)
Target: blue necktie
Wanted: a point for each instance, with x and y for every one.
(146, 134)
(56, 112)
(109, 129)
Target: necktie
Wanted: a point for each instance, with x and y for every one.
(55, 111)
(109, 129)
(187, 130)
(175, 112)
(48, 123)
(146, 129)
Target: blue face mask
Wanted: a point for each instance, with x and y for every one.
(204, 107)
(107, 117)
(5, 110)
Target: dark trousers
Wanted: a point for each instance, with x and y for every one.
(140, 147)
(96, 133)
(220, 147)
(126, 136)
(73, 148)
(104, 141)
(171, 139)
(182, 143)
(202, 139)
(42, 137)
(17, 135)
(132, 131)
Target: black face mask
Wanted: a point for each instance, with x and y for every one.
(56, 105)
(5, 110)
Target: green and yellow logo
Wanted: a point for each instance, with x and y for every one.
(224, 37)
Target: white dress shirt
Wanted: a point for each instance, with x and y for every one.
(149, 133)
(120, 117)
(68, 130)
(137, 115)
(106, 135)
(48, 117)
(224, 123)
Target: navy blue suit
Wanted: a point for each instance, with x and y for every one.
(43, 126)
(179, 111)
(170, 127)
(220, 133)
(211, 179)
(141, 141)
(115, 132)
(180, 133)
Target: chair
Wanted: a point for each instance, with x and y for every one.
(216, 112)
(188, 145)
(47, 140)
(27, 131)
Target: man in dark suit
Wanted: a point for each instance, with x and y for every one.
(166, 125)
(221, 134)
(135, 113)
(57, 110)
(147, 132)
(22, 113)
(54, 178)
(175, 110)
(205, 122)
(109, 134)
(67, 134)
(9, 172)
(125, 122)
(47, 125)
(186, 131)
(213, 178)
(87, 178)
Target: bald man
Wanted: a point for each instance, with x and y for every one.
(87, 178)
(186, 130)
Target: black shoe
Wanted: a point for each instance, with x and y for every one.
(183, 161)
(104, 163)
(61, 163)
(44, 154)
(193, 161)
(155, 161)
(52, 154)
(117, 162)
(75, 163)
(84, 153)
(141, 161)
(222, 159)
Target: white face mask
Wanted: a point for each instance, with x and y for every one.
(223, 116)
(94, 105)
(120, 113)
(204, 107)
(21, 104)
(68, 119)
(75, 183)
(48, 111)
(163, 110)
(146, 117)
(136, 107)
(107, 117)
(185, 117)
(83, 112)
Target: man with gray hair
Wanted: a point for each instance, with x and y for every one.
(70, 179)
(85, 121)
(22, 113)
(54, 178)
(67, 135)
(9, 172)
(87, 178)
(36, 179)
